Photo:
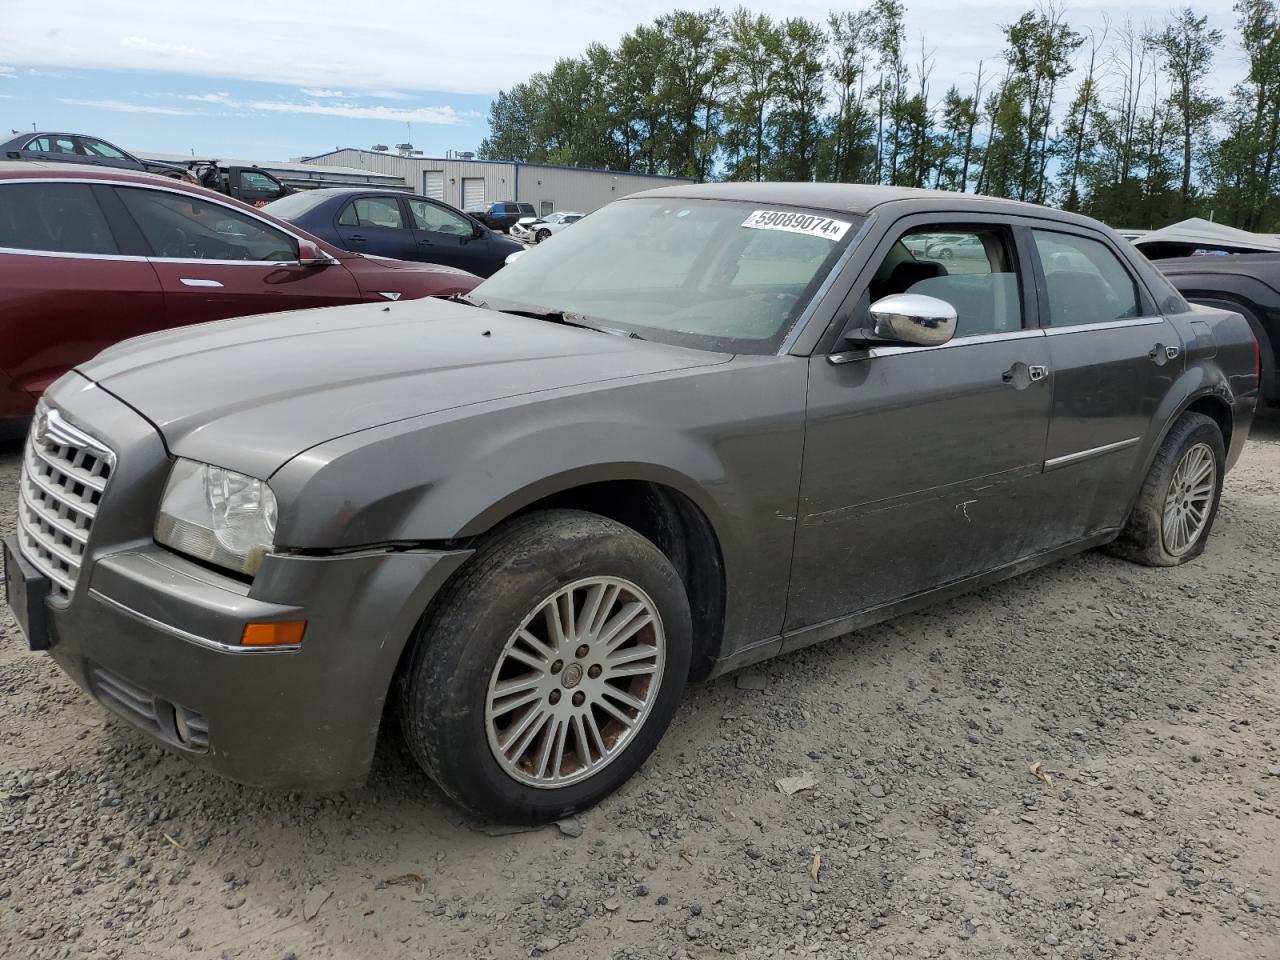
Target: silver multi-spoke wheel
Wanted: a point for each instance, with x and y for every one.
(575, 681)
(1189, 501)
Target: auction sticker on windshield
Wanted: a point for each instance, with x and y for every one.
(806, 223)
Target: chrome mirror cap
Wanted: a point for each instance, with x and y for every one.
(913, 318)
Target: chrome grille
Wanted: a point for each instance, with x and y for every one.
(64, 473)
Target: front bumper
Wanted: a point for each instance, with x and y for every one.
(156, 638)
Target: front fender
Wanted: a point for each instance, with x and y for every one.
(728, 437)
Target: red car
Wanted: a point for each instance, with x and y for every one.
(90, 256)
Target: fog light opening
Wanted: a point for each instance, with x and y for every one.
(180, 725)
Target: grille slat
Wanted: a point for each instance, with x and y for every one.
(64, 473)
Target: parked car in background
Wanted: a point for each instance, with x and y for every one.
(711, 424)
(1248, 283)
(90, 256)
(541, 228)
(502, 216)
(78, 148)
(247, 184)
(398, 225)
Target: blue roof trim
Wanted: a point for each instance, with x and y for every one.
(515, 163)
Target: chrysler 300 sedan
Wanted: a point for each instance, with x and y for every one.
(708, 425)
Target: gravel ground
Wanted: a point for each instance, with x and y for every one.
(1150, 699)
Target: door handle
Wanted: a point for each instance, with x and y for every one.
(1022, 375)
(195, 282)
(358, 238)
(426, 243)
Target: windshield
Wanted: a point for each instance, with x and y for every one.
(295, 204)
(720, 275)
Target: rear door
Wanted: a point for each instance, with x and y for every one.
(68, 289)
(445, 236)
(378, 225)
(922, 464)
(1114, 358)
(214, 261)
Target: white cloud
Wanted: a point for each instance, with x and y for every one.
(6, 73)
(352, 111)
(408, 45)
(320, 93)
(159, 48)
(123, 106)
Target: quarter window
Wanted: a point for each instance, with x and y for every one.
(434, 218)
(1084, 281)
(55, 217)
(973, 269)
(184, 227)
(373, 212)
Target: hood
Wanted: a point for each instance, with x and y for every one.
(250, 394)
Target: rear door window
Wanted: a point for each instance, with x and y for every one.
(179, 226)
(373, 212)
(1084, 281)
(53, 217)
(52, 145)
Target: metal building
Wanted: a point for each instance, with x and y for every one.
(474, 184)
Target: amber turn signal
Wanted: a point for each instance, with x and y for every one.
(287, 633)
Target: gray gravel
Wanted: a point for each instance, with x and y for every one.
(1149, 699)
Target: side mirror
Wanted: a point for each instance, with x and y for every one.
(513, 257)
(912, 318)
(310, 255)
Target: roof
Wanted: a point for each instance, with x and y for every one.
(10, 169)
(518, 163)
(1206, 233)
(857, 198)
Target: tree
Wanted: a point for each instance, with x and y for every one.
(1186, 47)
(752, 49)
(796, 120)
(849, 154)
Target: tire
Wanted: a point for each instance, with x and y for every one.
(542, 235)
(473, 638)
(1145, 538)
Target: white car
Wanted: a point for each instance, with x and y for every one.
(543, 227)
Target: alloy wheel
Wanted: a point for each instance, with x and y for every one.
(574, 682)
(1190, 498)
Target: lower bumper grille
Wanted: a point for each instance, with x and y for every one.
(172, 722)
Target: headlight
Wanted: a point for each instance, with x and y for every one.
(217, 515)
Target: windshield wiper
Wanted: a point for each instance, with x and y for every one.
(569, 319)
(466, 298)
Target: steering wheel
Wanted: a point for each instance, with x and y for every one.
(175, 243)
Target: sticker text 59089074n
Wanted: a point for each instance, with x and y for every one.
(810, 224)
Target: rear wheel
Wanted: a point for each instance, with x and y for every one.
(1176, 507)
(548, 670)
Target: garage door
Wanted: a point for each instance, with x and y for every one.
(473, 193)
(433, 184)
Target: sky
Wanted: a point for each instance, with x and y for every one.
(252, 79)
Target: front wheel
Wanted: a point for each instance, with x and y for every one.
(542, 235)
(547, 671)
(1176, 507)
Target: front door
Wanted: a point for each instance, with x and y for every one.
(214, 261)
(377, 225)
(922, 464)
(444, 236)
(1114, 358)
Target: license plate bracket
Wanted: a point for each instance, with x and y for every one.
(26, 590)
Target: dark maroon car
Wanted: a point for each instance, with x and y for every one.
(90, 256)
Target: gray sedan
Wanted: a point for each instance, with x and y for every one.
(708, 425)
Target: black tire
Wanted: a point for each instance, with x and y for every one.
(542, 235)
(443, 683)
(1142, 539)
